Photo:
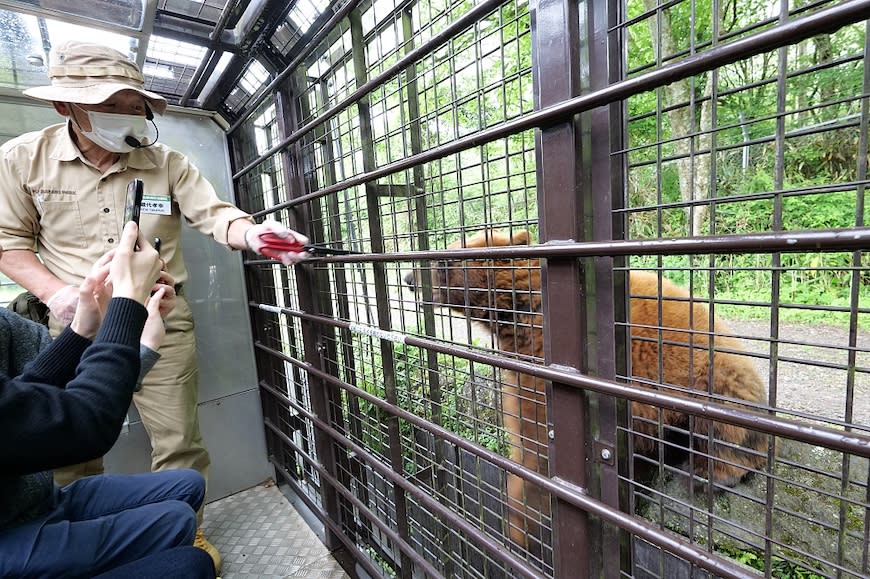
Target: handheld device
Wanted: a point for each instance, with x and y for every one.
(274, 244)
(133, 206)
(157, 244)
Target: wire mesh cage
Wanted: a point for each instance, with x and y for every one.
(726, 153)
(590, 291)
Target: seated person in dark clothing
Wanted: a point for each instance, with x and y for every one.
(67, 404)
(176, 563)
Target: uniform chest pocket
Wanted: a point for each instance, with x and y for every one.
(60, 219)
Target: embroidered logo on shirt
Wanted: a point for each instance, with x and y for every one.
(43, 192)
(43, 196)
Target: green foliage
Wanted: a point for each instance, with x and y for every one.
(480, 78)
(779, 568)
(797, 136)
(464, 403)
(483, 77)
(808, 278)
(388, 567)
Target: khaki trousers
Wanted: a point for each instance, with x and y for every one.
(167, 404)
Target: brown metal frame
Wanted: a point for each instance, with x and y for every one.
(583, 281)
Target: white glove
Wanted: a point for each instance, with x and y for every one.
(63, 303)
(295, 242)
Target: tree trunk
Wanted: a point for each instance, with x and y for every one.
(688, 118)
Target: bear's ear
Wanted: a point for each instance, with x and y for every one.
(520, 238)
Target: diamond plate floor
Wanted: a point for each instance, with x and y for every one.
(260, 535)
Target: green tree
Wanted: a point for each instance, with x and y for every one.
(15, 45)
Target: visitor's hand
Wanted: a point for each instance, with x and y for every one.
(293, 238)
(168, 300)
(155, 329)
(93, 299)
(63, 302)
(132, 273)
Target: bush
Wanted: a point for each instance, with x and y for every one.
(468, 403)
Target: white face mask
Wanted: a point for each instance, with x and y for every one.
(110, 131)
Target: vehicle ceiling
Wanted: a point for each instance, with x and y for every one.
(211, 54)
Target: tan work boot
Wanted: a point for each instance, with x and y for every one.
(200, 541)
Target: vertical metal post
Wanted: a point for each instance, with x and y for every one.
(556, 56)
(617, 409)
(776, 275)
(354, 468)
(602, 133)
(433, 376)
(324, 397)
(854, 301)
(241, 146)
(381, 296)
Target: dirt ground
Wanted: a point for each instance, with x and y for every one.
(802, 384)
(808, 502)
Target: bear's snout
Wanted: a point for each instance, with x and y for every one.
(411, 281)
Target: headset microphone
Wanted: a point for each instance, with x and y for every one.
(136, 143)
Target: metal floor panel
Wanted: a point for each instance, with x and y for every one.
(260, 535)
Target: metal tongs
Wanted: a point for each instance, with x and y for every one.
(274, 244)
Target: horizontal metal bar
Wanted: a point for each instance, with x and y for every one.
(412, 553)
(722, 37)
(361, 558)
(782, 35)
(835, 439)
(848, 442)
(449, 517)
(761, 537)
(744, 87)
(436, 41)
(851, 239)
(566, 491)
(841, 187)
(700, 151)
(705, 336)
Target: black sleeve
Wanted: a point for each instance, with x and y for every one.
(56, 364)
(43, 426)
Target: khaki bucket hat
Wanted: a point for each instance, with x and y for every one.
(88, 73)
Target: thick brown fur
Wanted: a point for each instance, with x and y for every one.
(505, 296)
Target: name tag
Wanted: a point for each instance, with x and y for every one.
(157, 204)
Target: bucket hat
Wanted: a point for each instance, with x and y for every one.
(88, 73)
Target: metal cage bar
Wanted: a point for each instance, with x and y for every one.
(418, 431)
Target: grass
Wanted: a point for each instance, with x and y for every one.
(797, 315)
(779, 568)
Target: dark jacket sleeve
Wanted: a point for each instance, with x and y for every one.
(147, 359)
(44, 426)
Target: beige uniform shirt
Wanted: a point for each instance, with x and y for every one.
(54, 202)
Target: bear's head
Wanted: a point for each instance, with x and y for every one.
(486, 290)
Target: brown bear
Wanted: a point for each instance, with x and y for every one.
(505, 295)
